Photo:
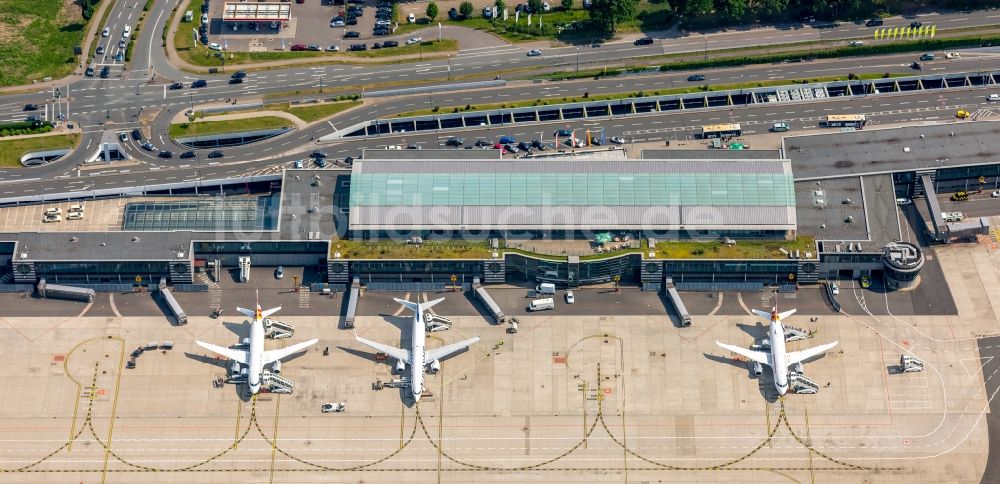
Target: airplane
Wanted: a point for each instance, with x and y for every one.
(416, 357)
(777, 358)
(255, 357)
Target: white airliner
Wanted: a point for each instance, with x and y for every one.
(416, 357)
(777, 358)
(255, 357)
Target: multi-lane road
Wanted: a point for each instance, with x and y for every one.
(140, 92)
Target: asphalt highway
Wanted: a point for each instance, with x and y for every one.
(140, 91)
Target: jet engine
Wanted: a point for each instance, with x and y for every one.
(434, 367)
(276, 367)
(400, 367)
(234, 368)
(797, 367)
(757, 369)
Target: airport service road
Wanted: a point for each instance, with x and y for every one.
(885, 109)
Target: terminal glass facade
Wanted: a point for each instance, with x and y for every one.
(216, 214)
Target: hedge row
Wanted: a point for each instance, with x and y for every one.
(896, 48)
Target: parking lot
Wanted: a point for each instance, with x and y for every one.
(310, 24)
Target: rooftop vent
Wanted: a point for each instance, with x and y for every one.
(74, 239)
(135, 238)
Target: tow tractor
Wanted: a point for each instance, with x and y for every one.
(334, 407)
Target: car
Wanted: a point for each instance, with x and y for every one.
(51, 218)
(349, 161)
(952, 55)
(915, 66)
(176, 85)
(298, 164)
(74, 216)
(995, 194)
(89, 72)
(534, 53)
(314, 47)
(215, 154)
(411, 18)
(215, 46)
(199, 83)
(562, 133)
(993, 98)
(100, 50)
(390, 43)
(916, 25)
(506, 140)
(321, 162)
(166, 154)
(962, 114)
(414, 40)
(105, 72)
(123, 136)
(337, 22)
(137, 134)
(453, 14)
(875, 22)
(523, 146)
(618, 140)
(188, 154)
(511, 149)
(834, 288)
(352, 21)
(358, 47)
(376, 45)
(780, 127)
(333, 48)
(146, 145)
(279, 272)
(960, 196)
(483, 143)
(696, 77)
(333, 407)
(106, 32)
(927, 57)
(904, 201)
(570, 298)
(455, 141)
(855, 43)
(383, 23)
(238, 75)
(52, 211)
(119, 57)
(318, 154)
(298, 47)
(122, 43)
(30, 107)
(352, 34)
(413, 146)
(644, 41)
(380, 32)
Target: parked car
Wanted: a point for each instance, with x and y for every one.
(298, 164)
(570, 298)
(51, 218)
(318, 154)
(333, 48)
(644, 41)
(279, 272)
(453, 141)
(995, 194)
(215, 46)
(534, 53)
(74, 216)
(376, 45)
(506, 140)
(696, 77)
(337, 22)
(390, 43)
(314, 47)
(358, 47)
(100, 50)
(52, 211)
(298, 47)
(993, 98)
(351, 34)
(188, 154)
(414, 40)
(176, 85)
(617, 140)
(855, 43)
(215, 154)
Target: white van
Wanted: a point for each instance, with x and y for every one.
(127, 32)
(952, 216)
(546, 288)
(993, 97)
(903, 201)
(542, 304)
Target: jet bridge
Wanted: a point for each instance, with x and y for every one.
(930, 196)
(352, 303)
(675, 298)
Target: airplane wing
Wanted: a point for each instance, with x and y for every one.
(797, 356)
(758, 356)
(235, 355)
(397, 353)
(274, 355)
(445, 351)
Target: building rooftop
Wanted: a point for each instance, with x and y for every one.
(710, 154)
(313, 203)
(543, 194)
(431, 154)
(869, 218)
(102, 246)
(878, 151)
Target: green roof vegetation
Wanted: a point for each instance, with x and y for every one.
(742, 249)
(11, 150)
(313, 112)
(429, 249)
(229, 126)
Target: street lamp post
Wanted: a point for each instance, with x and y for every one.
(578, 60)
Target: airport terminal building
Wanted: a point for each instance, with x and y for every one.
(708, 219)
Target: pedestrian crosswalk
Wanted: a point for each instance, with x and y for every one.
(304, 297)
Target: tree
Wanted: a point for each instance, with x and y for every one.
(566, 4)
(432, 10)
(465, 8)
(501, 6)
(694, 8)
(733, 11)
(535, 6)
(609, 13)
(769, 9)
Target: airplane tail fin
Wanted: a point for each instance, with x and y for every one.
(786, 314)
(418, 308)
(764, 314)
